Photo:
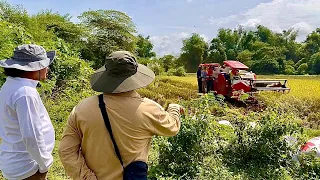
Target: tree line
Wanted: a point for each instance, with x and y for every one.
(264, 51)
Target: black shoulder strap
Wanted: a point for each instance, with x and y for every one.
(104, 113)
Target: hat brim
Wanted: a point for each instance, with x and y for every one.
(29, 66)
(102, 82)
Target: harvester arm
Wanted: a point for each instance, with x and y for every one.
(269, 85)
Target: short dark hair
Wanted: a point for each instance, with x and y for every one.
(13, 72)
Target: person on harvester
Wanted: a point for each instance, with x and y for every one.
(209, 79)
(199, 79)
(203, 78)
(234, 74)
(215, 74)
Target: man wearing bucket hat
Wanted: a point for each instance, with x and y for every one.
(26, 131)
(109, 136)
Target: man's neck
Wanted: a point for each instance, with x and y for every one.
(31, 75)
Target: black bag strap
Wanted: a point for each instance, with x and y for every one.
(104, 113)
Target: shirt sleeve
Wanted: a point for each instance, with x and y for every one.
(167, 123)
(27, 108)
(70, 151)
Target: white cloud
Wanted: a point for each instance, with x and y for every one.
(252, 23)
(304, 15)
(189, 1)
(304, 28)
(178, 27)
(224, 20)
(205, 38)
(169, 44)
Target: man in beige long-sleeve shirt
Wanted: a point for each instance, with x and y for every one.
(86, 150)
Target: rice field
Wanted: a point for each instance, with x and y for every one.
(301, 86)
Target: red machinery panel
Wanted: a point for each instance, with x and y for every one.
(236, 65)
(241, 86)
(208, 65)
(221, 85)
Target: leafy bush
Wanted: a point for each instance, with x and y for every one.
(262, 148)
(255, 146)
(144, 61)
(303, 68)
(156, 68)
(315, 63)
(313, 120)
(289, 70)
(2, 77)
(182, 156)
(180, 71)
(308, 168)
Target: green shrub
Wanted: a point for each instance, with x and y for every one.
(2, 77)
(308, 168)
(182, 156)
(303, 68)
(313, 120)
(204, 149)
(156, 68)
(290, 70)
(144, 61)
(261, 150)
(180, 71)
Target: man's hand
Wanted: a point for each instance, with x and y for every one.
(182, 110)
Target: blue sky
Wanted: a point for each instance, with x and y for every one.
(170, 21)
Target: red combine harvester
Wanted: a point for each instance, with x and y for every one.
(239, 81)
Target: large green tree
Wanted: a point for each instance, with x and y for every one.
(13, 14)
(50, 30)
(61, 26)
(245, 56)
(193, 52)
(167, 61)
(144, 47)
(230, 40)
(314, 63)
(313, 42)
(109, 30)
(217, 51)
(269, 60)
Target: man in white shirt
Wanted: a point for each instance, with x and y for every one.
(227, 69)
(26, 130)
(216, 72)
